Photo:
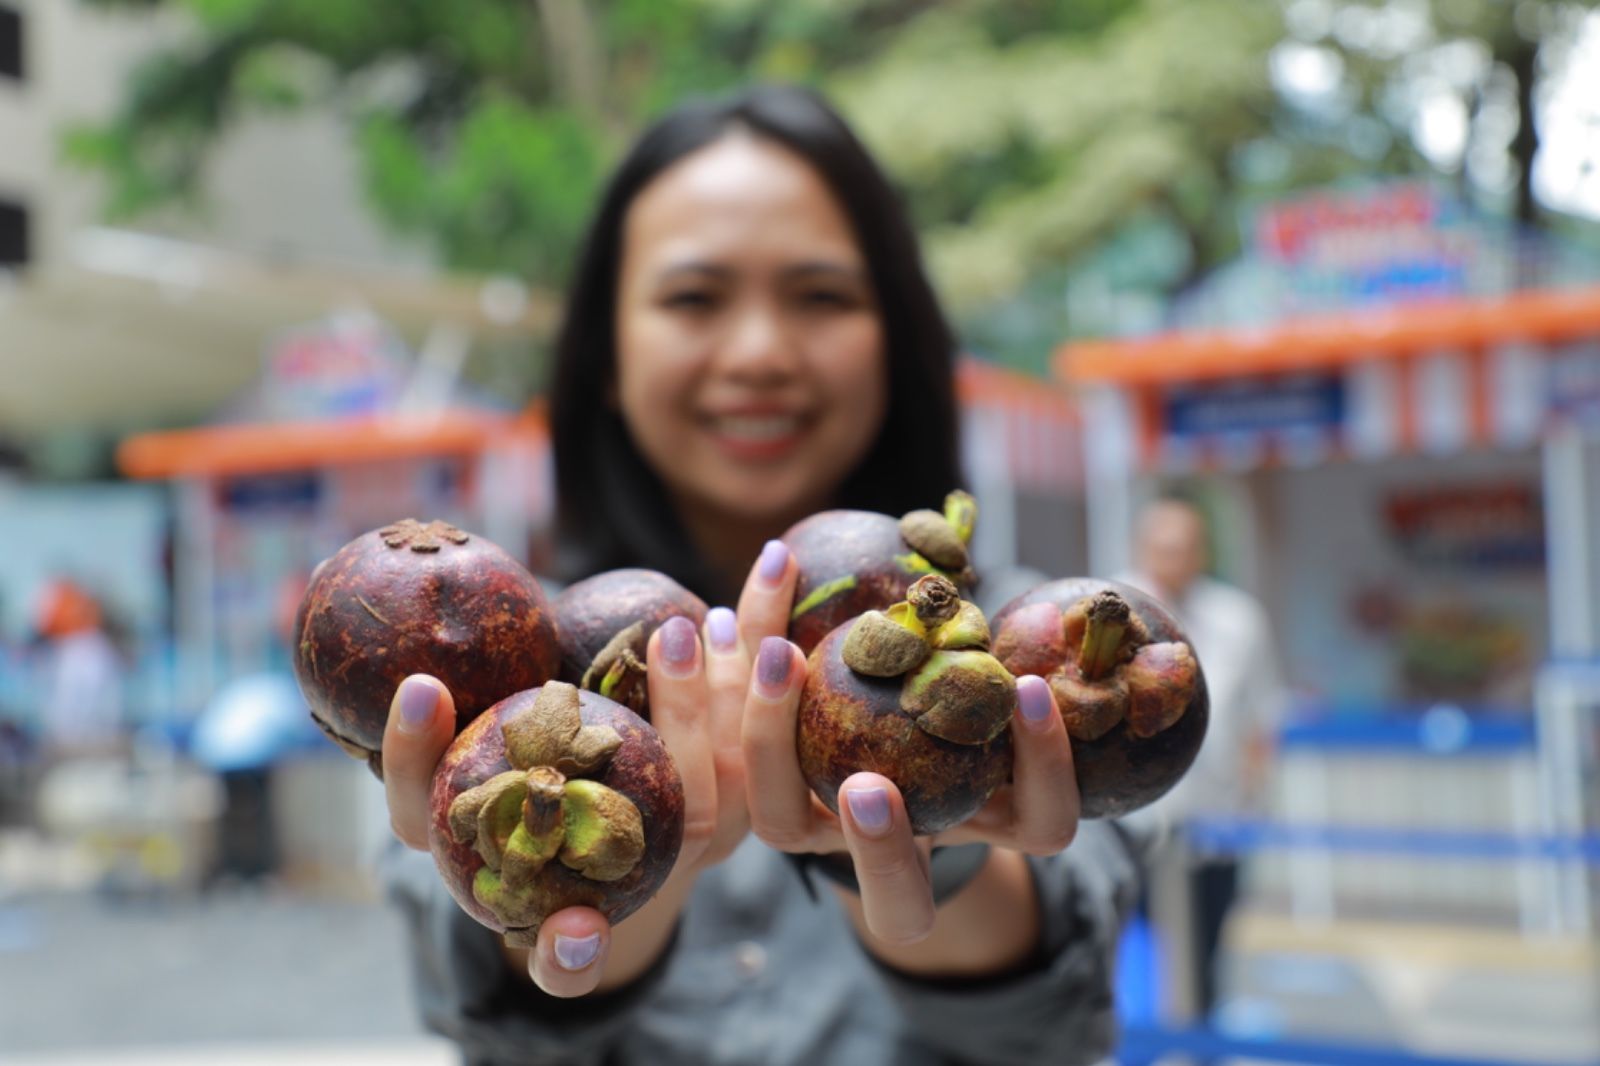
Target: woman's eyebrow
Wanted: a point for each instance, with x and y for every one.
(845, 271)
(694, 267)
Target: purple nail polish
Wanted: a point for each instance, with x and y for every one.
(1033, 698)
(774, 557)
(722, 628)
(772, 665)
(869, 809)
(576, 952)
(678, 641)
(417, 701)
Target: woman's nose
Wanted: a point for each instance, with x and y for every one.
(759, 342)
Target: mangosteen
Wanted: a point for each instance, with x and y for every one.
(1125, 678)
(604, 624)
(554, 798)
(415, 598)
(911, 693)
(856, 561)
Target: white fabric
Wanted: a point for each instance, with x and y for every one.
(1233, 639)
(82, 691)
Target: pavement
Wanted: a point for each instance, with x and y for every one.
(240, 976)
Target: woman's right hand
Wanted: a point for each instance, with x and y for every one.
(577, 951)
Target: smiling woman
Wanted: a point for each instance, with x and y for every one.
(750, 338)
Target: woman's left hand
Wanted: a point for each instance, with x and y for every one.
(1036, 814)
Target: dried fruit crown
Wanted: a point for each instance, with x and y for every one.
(941, 540)
(544, 808)
(618, 672)
(420, 537)
(955, 689)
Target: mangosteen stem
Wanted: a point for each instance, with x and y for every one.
(1107, 625)
(541, 811)
(961, 511)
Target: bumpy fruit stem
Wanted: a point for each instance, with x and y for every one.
(1105, 628)
(961, 511)
(935, 600)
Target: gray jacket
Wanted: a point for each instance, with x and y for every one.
(761, 973)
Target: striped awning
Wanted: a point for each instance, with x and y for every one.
(1434, 378)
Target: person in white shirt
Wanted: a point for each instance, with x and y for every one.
(1232, 636)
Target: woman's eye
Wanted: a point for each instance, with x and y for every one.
(827, 299)
(689, 300)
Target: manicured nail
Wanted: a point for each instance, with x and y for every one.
(722, 628)
(678, 643)
(869, 809)
(774, 557)
(772, 666)
(417, 701)
(576, 952)
(1033, 699)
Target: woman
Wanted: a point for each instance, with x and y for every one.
(750, 339)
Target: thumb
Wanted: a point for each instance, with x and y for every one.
(422, 722)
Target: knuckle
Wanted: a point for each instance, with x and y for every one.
(1047, 841)
(782, 837)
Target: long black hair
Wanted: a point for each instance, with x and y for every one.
(612, 509)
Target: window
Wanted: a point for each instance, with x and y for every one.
(10, 42)
(13, 235)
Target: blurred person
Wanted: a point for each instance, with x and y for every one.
(80, 675)
(1232, 637)
(749, 339)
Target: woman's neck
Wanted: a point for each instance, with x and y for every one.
(730, 544)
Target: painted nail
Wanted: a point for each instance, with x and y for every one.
(774, 558)
(1033, 699)
(722, 628)
(772, 666)
(869, 809)
(678, 643)
(576, 952)
(417, 700)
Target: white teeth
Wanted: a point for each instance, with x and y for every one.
(756, 428)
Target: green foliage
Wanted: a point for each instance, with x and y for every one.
(1032, 138)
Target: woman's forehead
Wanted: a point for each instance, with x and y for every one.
(739, 195)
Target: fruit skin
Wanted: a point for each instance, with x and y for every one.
(641, 769)
(861, 548)
(850, 723)
(1119, 772)
(416, 598)
(589, 613)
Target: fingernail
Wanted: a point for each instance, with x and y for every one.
(869, 809)
(1033, 699)
(576, 952)
(774, 557)
(772, 666)
(722, 628)
(417, 701)
(678, 642)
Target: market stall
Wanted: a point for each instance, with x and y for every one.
(1413, 492)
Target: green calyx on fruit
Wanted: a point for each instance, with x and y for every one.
(823, 593)
(954, 688)
(1117, 674)
(941, 540)
(543, 809)
(618, 672)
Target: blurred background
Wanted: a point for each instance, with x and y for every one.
(275, 272)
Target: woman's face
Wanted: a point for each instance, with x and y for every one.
(750, 365)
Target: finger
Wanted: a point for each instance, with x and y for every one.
(727, 678)
(896, 894)
(1044, 794)
(422, 722)
(570, 955)
(678, 710)
(767, 596)
(779, 798)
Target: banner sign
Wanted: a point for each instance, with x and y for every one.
(1256, 406)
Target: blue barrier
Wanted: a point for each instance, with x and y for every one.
(1148, 1043)
(1240, 837)
(1439, 730)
